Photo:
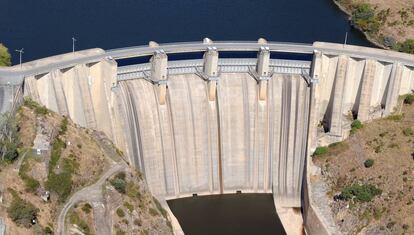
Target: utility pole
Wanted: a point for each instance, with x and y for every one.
(21, 51)
(73, 44)
(346, 38)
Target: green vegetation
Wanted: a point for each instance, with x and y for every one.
(362, 193)
(369, 163)
(120, 212)
(395, 117)
(87, 208)
(9, 140)
(39, 109)
(61, 183)
(407, 46)
(320, 151)
(408, 131)
(355, 125)
(31, 184)
(129, 206)
(119, 183)
(5, 58)
(160, 208)
(119, 232)
(75, 219)
(409, 99)
(21, 211)
(153, 211)
(363, 16)
(63, 126)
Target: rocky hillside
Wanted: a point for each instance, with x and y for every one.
(371, 175)
(49, 160)
(386, 23)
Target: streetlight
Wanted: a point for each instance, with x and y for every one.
(73, 44)
(346, 38)
(21, 51)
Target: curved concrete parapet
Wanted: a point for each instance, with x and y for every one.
(219, 125)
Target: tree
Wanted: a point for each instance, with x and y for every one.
(5, 58)
(8, 137)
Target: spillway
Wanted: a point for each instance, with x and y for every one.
(235, 143)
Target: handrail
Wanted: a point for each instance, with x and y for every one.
(15, 74)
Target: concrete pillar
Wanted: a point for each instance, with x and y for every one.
(162, 92)
(159, 65)
(393, 88)
(211, 57)
(263, 89)
(262, 69)
(337, 112)
(211, 62)
(366, 90)
(314, 106)
(263, 60)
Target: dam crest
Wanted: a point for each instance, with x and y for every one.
(219, 117)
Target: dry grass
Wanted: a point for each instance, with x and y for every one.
(83, 148)
(391, 148)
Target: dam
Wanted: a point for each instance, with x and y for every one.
(212, 125)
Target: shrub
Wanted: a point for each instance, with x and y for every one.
(364, 17)
(61, 184)
(21, 212)
(408, 131)
(39, 109)
(129, 206)
(362, 193)
(63, 126)
(120, 212)
(119, 184)
(409, 99)
(132, 190)
(369, 163)
(75, 219)
(395, 117)
(119, 232)
(356, 124)
(407, 46)
(320, 151)
(5, 58)
(87, 208)
(153, 211)
(390, 224)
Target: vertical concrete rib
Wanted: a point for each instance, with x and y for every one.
(393, 88)
(88, 108)
(337, 112)
(366, 90)
(300, 135)
(60, 94)
(314, 105)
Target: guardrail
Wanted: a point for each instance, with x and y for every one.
(15, 74)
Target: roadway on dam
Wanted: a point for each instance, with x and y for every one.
(230, 214)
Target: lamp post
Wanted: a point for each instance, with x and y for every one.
(21, 51)
(73, 44)
(346, 38)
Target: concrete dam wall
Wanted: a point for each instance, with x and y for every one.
(217, 125)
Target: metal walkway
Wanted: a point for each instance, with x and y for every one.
(225, 66)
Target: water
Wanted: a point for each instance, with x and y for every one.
(46, 27)
(229, 214)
